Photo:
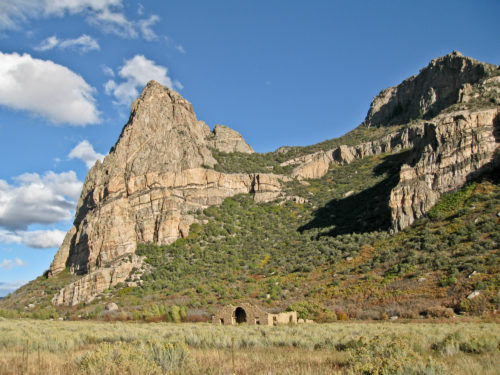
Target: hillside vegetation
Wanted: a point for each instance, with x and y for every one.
(280, 254)
(333, 251)
(237, 162)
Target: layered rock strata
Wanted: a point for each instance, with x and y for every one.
(94, 283)
(316, 165)
(455, 148)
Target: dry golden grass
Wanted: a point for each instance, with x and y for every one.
(68, 347)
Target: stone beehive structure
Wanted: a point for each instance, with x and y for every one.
(252, 315)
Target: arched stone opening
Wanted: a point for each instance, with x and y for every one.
(240, 315)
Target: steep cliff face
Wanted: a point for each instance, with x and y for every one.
(148, 186)
(459, 98)
(436, 87)
(455, 148)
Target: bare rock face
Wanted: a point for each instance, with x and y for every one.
(89, 286)
(455, 148)
(424, 95)
(147, 188)
(316, 165)
(228, 140)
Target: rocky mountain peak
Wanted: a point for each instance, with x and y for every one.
(154, 90)
(424, 95)
(146, 189)
(162, 133)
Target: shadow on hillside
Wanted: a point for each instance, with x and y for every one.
(369, 210)
(366, 211)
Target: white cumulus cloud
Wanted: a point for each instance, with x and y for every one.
(46, 89)
(38, 239)
(36, 199)
(136, 72)
(86, 153)
(8, 264)
(107, 15)
(83, 43)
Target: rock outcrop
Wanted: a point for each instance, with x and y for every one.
(228, 140)
(147, 188)
(436, 87)
(91, 285)
(316, 165)
(455, 148)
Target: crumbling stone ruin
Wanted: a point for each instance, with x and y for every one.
(252, 315)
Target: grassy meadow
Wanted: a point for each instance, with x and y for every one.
(86, 347)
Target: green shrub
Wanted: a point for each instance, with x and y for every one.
(118, 358)
(151, 357)
(384, 355)
(451, 203)
(169, 356)
(450, 345)
(480, 345)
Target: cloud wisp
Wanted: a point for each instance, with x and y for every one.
(8, 264)
(47, 89)
(83, 44)
(136, 72)
(9, 287)
(107, 15)
(36, 199)
(146, 25)
(85, 152)
(14, 13)
(107, 70)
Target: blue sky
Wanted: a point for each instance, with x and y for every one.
(280, 72)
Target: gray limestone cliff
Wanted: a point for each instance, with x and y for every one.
(426, 94)
(455, 148)
(457, 98)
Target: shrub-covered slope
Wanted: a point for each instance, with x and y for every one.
(278, 255)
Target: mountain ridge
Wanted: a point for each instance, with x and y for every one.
(167, 168)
